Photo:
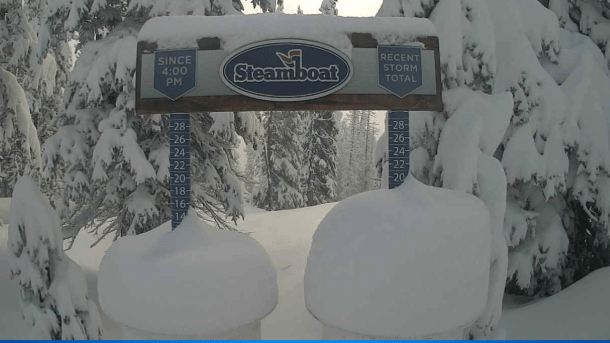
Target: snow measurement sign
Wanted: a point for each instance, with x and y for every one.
(175, 72)
(234, 67)
(320, 63)
(400, 69)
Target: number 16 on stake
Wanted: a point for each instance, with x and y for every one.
(179, 166)
(398, 147)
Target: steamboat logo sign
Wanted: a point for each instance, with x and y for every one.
(286, 70)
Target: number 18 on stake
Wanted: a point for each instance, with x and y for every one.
(398, 147)
(179, 166)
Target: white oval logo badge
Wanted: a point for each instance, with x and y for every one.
(286, 70)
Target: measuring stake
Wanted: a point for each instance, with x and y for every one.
(179, 166)
(398, 147)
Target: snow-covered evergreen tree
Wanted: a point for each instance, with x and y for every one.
(52, 63)
(349, 157)
(552, 157)
(329, 7)
(406, 8)
(251, 180)
(589, 17)
(266, 5)
(319, 157)
(452, 149)
(19, 143)
(356, 146)
(367, 131)
(280, 6)
(52, 288)
(278, 163)
(113, 163)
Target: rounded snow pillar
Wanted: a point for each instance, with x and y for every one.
(195, 282)
(407, 263)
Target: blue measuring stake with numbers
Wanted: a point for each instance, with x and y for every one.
(398, 147)
(179, 166)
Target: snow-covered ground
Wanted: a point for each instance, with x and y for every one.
(579, 312)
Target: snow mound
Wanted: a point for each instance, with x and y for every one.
(235, 31)
(403, 263)
(196, 280)
(576, 313)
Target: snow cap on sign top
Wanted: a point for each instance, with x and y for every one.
(235, 31)
(403, 263)
(196, 280)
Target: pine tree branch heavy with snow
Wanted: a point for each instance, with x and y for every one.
(113, 163)
(589, 17)
(548, 148)
(19, 143)
(52, 288)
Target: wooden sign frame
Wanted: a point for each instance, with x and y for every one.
(335, 101)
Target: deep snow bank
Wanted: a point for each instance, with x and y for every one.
(195, 280)
(578, 312)
(401, 263)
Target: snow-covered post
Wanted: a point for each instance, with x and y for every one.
(195, 282)
(407, 263)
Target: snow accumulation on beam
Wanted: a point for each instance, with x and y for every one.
(403, 263)
(235, 31)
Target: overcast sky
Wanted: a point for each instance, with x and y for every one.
(347, 8)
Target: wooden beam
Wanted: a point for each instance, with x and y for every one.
(335, 102)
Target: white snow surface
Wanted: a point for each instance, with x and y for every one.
(194, 280)
(401, 263)
(287, 237)
(235, 31)
(577, 312)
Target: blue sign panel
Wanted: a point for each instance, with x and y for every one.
(400, 71)
(286, 70)
(179, 166)
(398, 147)
(174, 73)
